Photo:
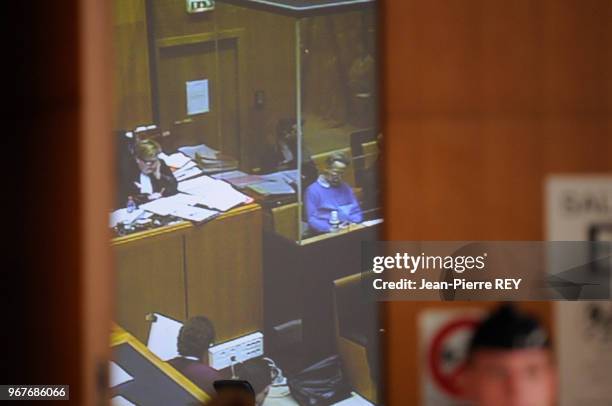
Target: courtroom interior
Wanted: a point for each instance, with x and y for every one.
(237, 146)
(247, 155)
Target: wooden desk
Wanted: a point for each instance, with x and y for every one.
(185, 270)
(356, 326)
(154, 382)
(299, 281)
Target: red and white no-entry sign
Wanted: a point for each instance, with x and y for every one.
(445, 336)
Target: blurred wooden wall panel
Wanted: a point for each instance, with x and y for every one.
(483, 100)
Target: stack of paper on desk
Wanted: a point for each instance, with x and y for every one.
(243, 181)
(176, 160)
(180, 205)
(202, 150)
(229, 175)
(272, 188)
(208, 159)
(214, 193)
(196, 214)
(188, 171)
(239, 178)
(289, 176)
(125, 217)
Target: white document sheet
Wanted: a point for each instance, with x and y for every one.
(203, 150)
(185, 167)
(197, 96)
(121, 401)
(229, 175)
(118, 375)
(273, 188)
(122, 216)
(369, 223)
(354, 400)
(187, 172)
(289, 176)
(163, 336)
(216, 194)
(180, 205)
(195, 214)
(176, 160)
(164, 206)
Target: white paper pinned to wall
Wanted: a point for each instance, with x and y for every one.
(197, 97)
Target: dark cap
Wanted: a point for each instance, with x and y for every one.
(509, 329)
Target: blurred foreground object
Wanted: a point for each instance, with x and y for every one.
(510, 362)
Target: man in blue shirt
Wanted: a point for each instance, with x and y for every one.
(330, 193)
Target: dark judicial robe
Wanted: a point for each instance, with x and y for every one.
(197, 372)
(131, 175)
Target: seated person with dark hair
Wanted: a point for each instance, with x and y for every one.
(283, 154)
(331, 194)
(258, 372)
(150, 178)
(196, 335)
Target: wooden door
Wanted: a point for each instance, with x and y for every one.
(202, 58)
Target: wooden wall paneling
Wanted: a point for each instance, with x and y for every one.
(483, 100)
(149, 278)
(224, 272)
(271, 70)
(265, 63)
(576, 57)
(220, 58)
(132, 84)
(170, 19)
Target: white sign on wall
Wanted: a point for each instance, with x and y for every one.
(576, 208)
(197, 97)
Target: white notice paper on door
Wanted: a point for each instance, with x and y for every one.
(197, 97)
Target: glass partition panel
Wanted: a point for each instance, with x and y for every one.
(338, 116)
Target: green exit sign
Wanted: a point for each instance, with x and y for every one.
(199, 6)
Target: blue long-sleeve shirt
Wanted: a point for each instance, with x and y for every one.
(322, 199)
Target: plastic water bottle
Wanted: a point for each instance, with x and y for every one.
(131, 204)
(334, 222)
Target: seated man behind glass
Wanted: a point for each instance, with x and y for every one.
(150, 178)
(329, 200)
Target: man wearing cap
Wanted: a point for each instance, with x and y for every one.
(510, 362)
